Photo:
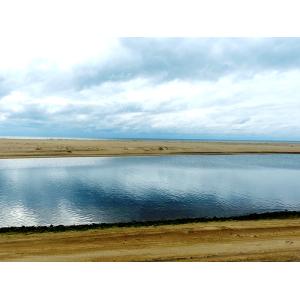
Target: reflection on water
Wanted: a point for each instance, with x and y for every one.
(95, 190)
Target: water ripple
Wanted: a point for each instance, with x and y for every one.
(87, 190)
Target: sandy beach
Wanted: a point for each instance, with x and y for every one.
(18, 148)
(259, 240)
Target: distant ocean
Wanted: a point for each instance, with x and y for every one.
(149, 139)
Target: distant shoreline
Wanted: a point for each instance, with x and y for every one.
(45, 148)
(151, 139)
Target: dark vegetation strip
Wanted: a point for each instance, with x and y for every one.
(62, 228)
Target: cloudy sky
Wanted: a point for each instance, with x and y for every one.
(84, 85)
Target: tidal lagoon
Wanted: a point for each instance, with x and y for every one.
(66, 191)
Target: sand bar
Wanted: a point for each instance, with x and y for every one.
(19, 148)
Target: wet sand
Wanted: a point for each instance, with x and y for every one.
(18, 148)
(259, 240)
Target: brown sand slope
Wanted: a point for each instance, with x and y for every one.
(260, 240)
(10, 148)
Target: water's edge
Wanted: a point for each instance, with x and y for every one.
(61, 155)
(62, 228)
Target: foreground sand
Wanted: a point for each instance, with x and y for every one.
(259, 240)
(12, 148)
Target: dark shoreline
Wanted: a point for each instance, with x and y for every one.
(62, 228)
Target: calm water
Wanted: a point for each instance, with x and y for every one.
(87, 190)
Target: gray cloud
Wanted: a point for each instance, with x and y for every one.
(193, 59)
(173, 58)
(160, 87)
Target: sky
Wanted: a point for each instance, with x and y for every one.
(77, 83)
